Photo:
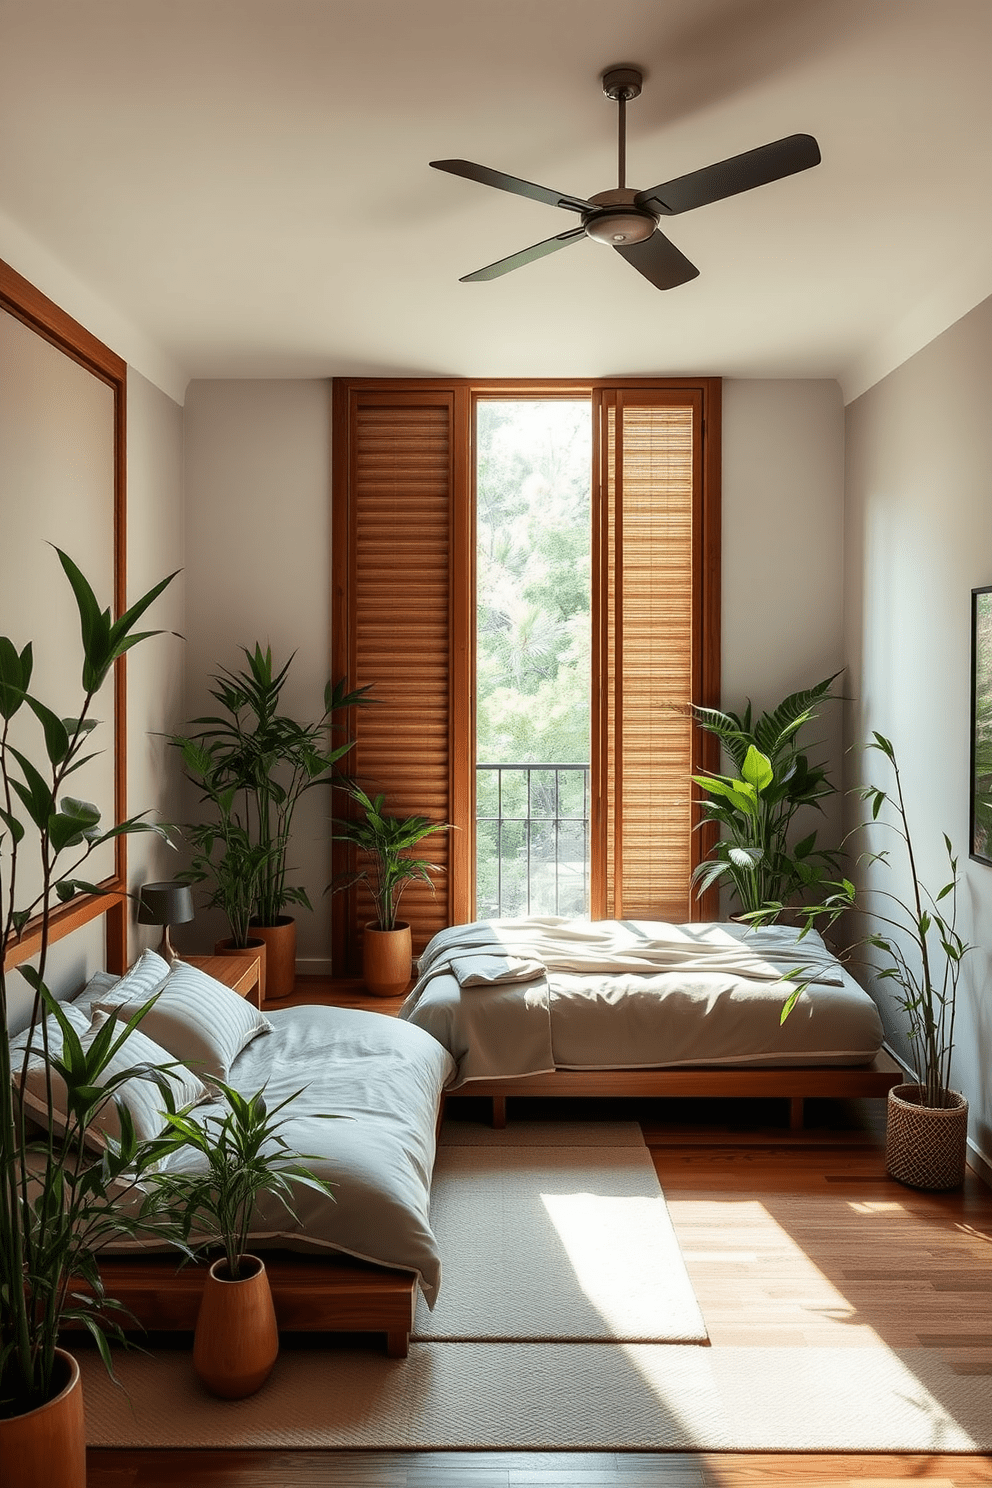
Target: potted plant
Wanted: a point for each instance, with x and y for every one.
(385, 842)
(244, 1155)
(267, 761)
(755, 809)
(923, 952)
(59, 1201)
(224, 857)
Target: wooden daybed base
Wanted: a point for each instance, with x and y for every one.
(311, 1293)
(794, 1085)
(334, 1294)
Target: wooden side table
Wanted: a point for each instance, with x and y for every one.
(241, 973)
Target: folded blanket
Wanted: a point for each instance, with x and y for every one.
(493, 971)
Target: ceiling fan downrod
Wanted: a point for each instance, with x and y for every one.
(617, 221)
(621, 84)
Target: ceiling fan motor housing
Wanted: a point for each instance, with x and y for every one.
(617, 220)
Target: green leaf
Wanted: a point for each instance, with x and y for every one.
(56, 736)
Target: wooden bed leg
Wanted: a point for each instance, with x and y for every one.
(397, 1345)
(796, 1113)
(499, 1112)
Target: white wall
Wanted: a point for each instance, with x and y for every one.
(783, 554)
(258, 524)
(919, 538)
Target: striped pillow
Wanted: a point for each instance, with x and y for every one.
(196, 1018)
(143, 1098)
(137, 985)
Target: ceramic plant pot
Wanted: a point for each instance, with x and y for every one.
(46, 1447)
(280, 956)
(253, 948)
(387, 960)
(236, 1340)
(925, 1146)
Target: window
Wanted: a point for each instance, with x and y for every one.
(404, 623)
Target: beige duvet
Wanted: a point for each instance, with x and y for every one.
(517, 997)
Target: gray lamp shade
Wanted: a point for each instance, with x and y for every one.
(165, 904)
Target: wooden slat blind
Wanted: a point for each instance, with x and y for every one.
(651, 468)
(393, 539)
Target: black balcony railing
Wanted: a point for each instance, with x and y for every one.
(532, 835)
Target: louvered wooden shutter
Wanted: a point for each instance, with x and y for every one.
(401, 584)
(655, 655)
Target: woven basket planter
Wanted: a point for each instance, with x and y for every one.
(925, 1146)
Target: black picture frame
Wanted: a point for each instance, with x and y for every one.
(980, 774)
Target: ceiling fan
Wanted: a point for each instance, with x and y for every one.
(627, 220)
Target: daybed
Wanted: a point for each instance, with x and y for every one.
(548, 1006)
(351, 1264)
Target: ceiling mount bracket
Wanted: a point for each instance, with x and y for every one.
(622, 82)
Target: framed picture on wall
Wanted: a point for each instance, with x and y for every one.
(981, 724)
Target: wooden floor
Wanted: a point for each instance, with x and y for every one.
(795, 1239)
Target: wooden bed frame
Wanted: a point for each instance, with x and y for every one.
(311, 1294)
(795, 1085)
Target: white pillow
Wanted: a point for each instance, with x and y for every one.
(18, 1042)
(148, 973)
(196, 1018)
(143, 1098)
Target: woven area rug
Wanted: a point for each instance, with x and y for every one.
(551, 1395)
(564, 1239)
(556, 1397)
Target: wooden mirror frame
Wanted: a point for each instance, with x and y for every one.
(41, 315)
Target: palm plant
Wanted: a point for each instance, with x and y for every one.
(58, 1200)
(755, 809)
(244, 1155)
(255, 763)
(386, 841)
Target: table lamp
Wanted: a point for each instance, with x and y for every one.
(165, 904)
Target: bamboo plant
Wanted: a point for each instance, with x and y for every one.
(385, 842)
(58, 1200)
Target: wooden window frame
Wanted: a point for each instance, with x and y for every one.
(40, 314)
(464, 394)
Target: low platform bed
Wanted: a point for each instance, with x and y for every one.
(794, 1085)
(544, 1006)
(363, 1100)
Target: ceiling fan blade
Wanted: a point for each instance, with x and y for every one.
(784, 157)
(513, 184)
(525, 256)
(659, 260)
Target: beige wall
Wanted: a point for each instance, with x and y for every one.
(783, 555)
(258, 568)
(155, 669)
(919, 538)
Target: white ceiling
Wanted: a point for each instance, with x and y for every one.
(241, 187)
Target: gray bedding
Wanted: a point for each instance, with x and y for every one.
(386, 1077)
(579, 994)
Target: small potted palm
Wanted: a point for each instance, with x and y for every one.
(240, 1156)
(385, 842)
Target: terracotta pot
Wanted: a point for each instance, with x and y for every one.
(253, 948)
(387, 960)
(280, 955)
(46, 1447)
(925, 1146)
(236, 1340)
